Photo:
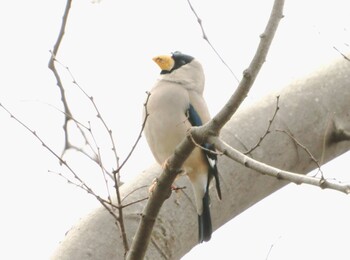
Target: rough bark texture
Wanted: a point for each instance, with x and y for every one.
(310, 109)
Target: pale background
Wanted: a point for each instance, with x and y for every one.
(108, 47)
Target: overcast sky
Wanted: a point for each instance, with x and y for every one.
(108, 47)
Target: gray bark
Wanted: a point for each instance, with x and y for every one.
(311, 109)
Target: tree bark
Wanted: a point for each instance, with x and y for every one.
(315, 110)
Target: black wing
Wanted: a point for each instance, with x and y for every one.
(195, 120)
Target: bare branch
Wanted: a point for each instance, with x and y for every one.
(52, 67)
(275, 172)
(134, 202)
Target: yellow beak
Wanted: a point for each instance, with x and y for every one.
(165, 62)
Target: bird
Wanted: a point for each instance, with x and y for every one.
(174, 105)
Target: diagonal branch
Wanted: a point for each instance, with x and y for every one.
(267, 130)
(158, 196)
(51, 65)
(250, 74)
(117, 171)
(304, 148)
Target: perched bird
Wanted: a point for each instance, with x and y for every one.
(175, 104)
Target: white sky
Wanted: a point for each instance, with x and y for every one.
(108, 47)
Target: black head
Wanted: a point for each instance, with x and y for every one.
(180, 59)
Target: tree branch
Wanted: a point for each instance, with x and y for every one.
(275, 172)
(250, 74)
(51, 65)
(267, 130)
(304, 148)
(161, 192)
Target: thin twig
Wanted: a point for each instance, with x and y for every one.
(99, 115)
(138, 137)
(304, 148)
(342, 54)
(100, 163)
(139, 188)
(270, 250)
(80, 186)
(268, 128)
(116, 175)
(205, 37)
(134, 202)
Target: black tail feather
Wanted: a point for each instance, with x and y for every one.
(214, 172)
(204, 220)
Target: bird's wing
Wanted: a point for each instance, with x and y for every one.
(195, 120)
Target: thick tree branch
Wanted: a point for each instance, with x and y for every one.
(159, 195)
(304, 109)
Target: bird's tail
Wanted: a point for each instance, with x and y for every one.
(213, 171)
(204, 220)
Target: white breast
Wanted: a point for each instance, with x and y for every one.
(167, 123)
